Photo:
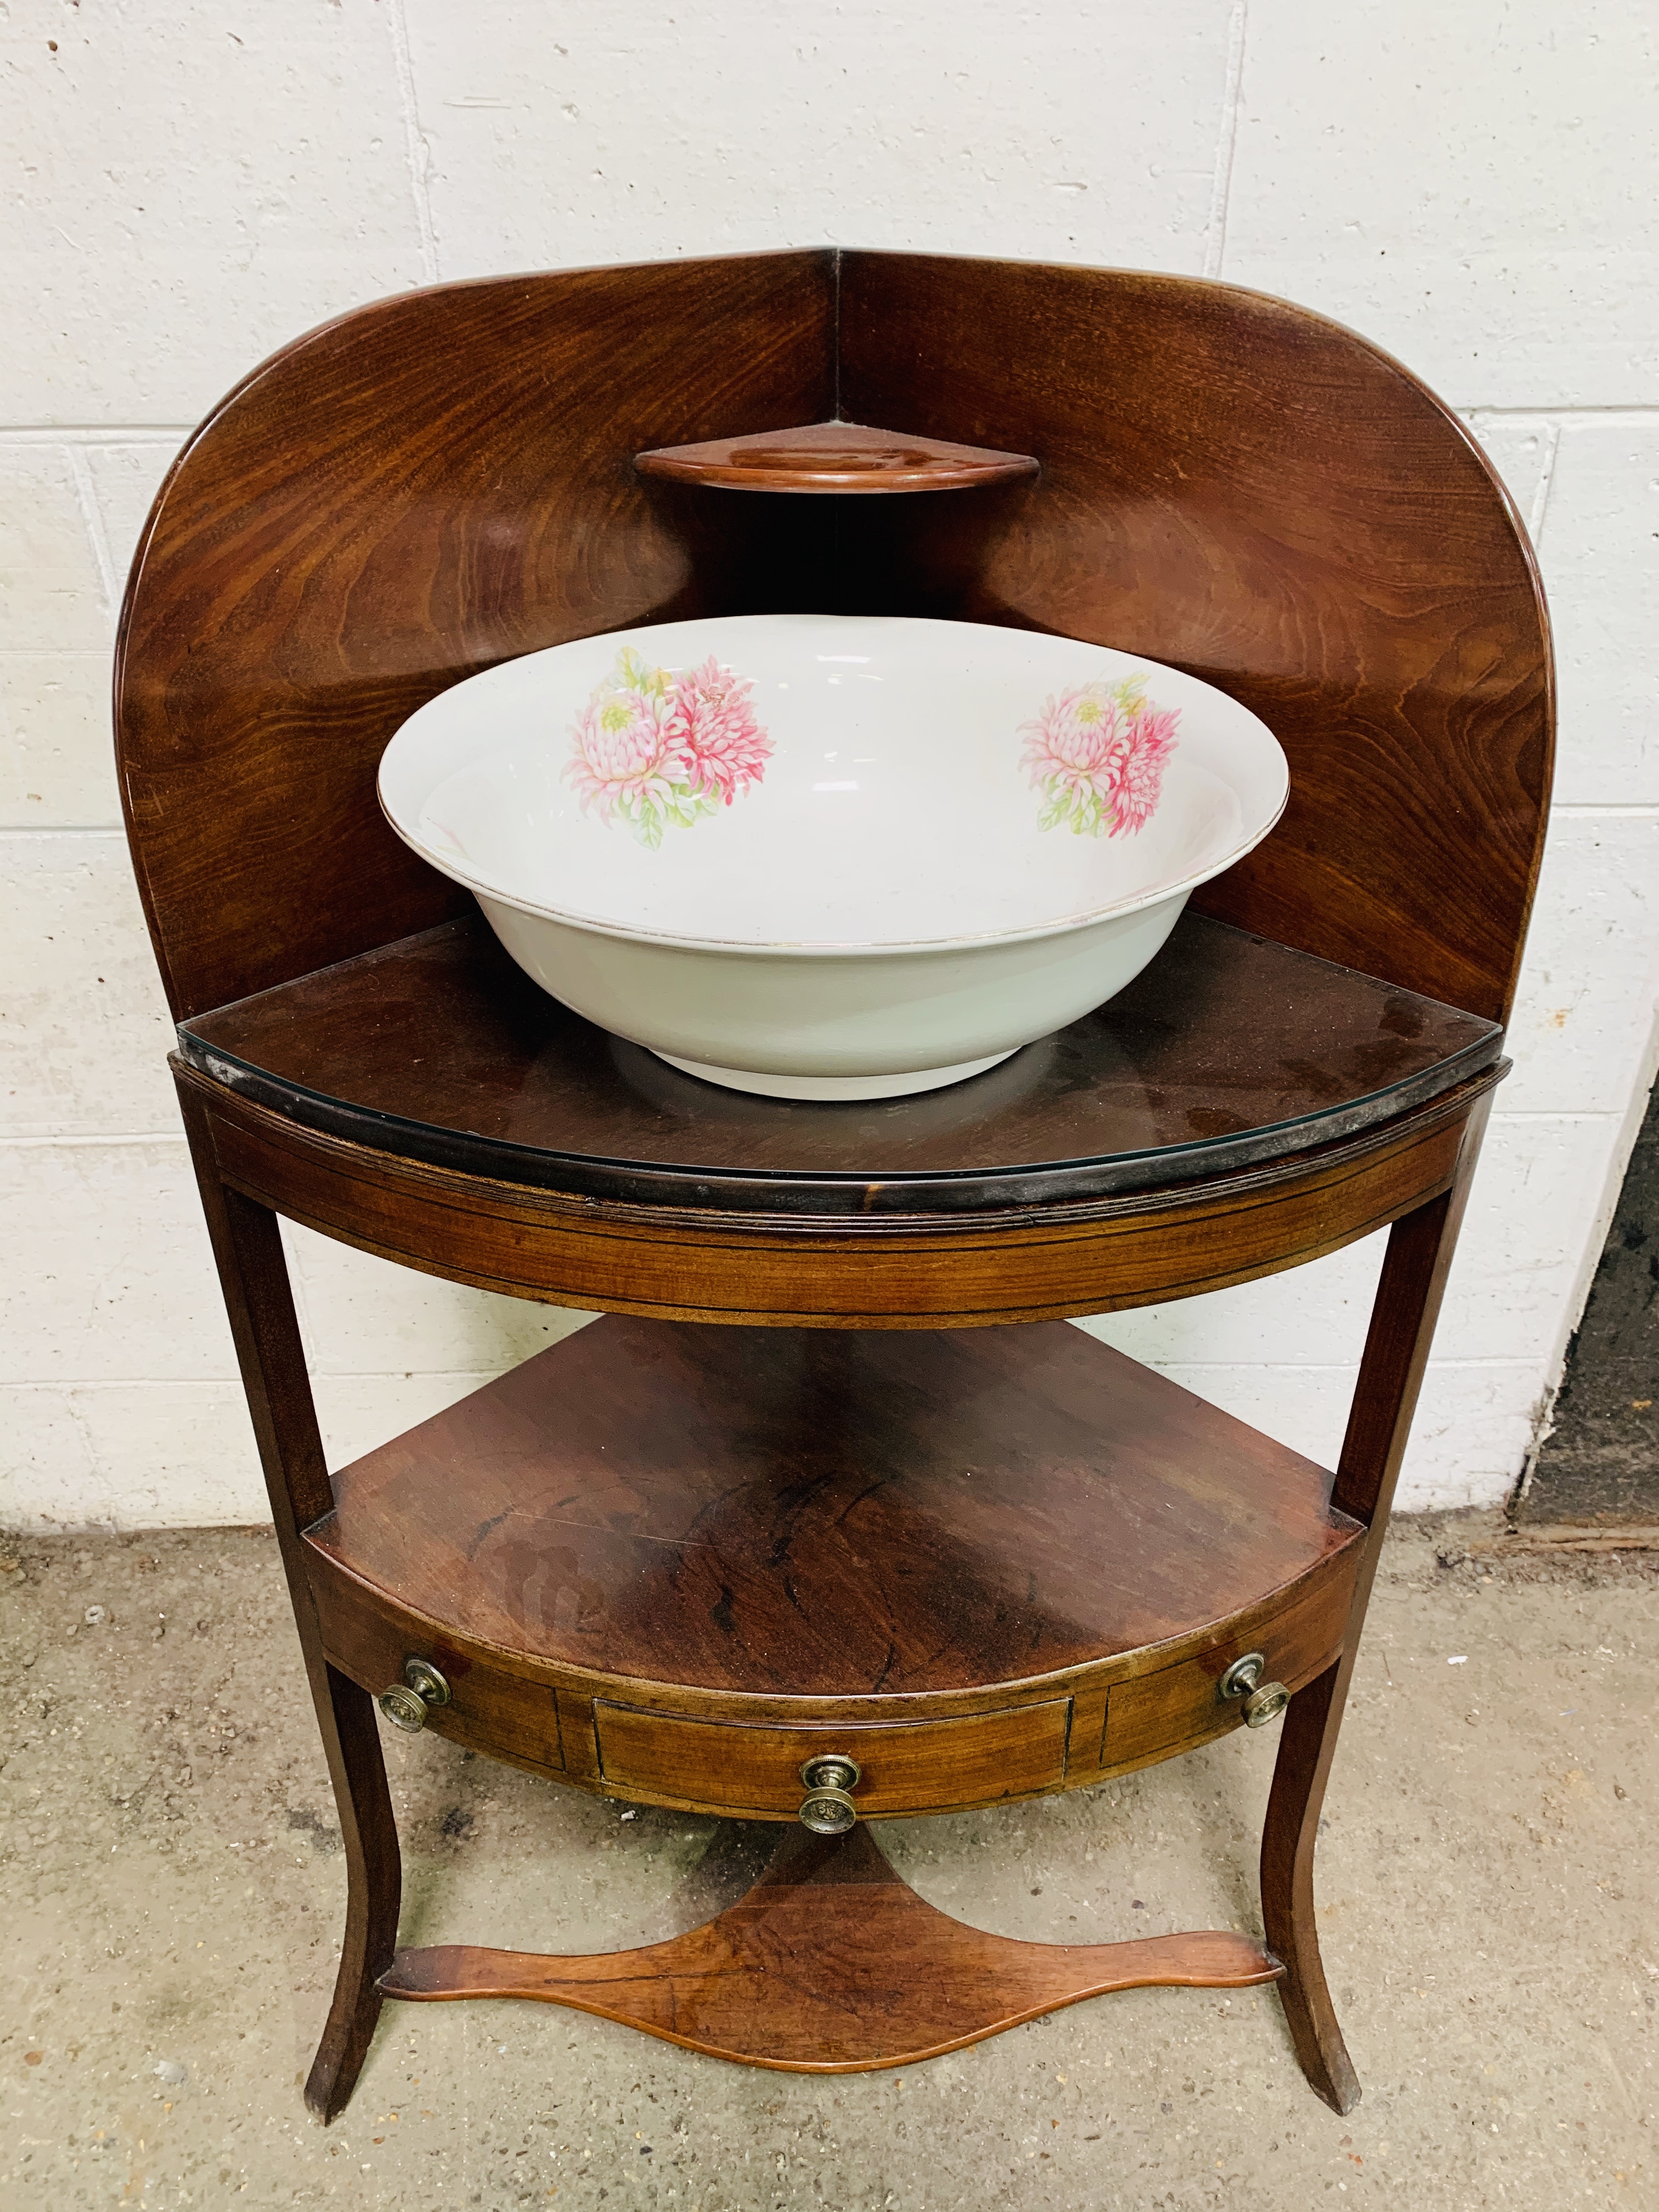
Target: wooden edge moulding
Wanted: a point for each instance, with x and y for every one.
(896, 1542)
(834, 457)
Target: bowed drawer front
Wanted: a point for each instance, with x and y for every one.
(908, 1766)
(1178, 1707)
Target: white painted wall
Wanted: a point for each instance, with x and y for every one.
(192, 184)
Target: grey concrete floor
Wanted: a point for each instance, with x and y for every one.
(174, 1893)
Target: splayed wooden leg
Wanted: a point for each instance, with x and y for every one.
(1419, 1254)
(1287, 1897)
(373, 1892)
(248, 1247)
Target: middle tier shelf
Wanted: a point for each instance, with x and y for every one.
(1228, 1052)
(670, 1561)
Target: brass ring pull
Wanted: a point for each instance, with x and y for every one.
(1263, 1701)
(407, 1703)
(828, 1809)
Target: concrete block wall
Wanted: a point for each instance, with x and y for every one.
(192, 185)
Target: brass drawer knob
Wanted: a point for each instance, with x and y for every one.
(1263, 1701)
(407, 1703)
(831, 1779)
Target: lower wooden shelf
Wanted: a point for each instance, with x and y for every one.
(670, 1562)
(832, 1964)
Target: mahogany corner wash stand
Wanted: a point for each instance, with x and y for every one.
(681, 1563)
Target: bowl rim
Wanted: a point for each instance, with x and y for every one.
(484, 887)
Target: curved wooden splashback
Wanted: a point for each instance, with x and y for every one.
(1240, 487)
(441, 480)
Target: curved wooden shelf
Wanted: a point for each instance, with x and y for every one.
(671, 1562)
(904, 1981)
(799, 1271)
(907, 1271)
(834, 457)
(1228, 1053)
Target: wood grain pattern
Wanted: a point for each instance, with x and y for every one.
(1152, 1715)
(834, 457)
(444, 479)
(1255, 494)
(500, 1711)
(414, 492)
(677, 1561)
(248, 1251)
(905, 1271)
(1414, 1272)
(910, 1766)
(368, 1633)
(1226, 1052)
(823, 1515)
(831, 1965)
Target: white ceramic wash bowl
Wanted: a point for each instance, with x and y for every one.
(822, 856)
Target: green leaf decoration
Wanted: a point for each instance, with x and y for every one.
(638, 673)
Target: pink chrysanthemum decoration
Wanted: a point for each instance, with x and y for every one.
(659, 750)
(1144, 746)
(625, 755)
(713, 723)
(1069, 750)
(1097, 755)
